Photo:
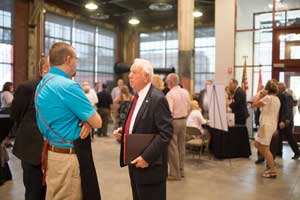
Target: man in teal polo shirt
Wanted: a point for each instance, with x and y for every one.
(64, 114)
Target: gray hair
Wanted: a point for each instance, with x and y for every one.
(145, 65)
(174, 78)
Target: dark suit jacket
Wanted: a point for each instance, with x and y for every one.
(286, 108)
(29, 141)
(154, 116)
(239, 106)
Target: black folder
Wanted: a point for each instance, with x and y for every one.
(135, 145)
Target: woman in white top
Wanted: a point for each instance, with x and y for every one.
(7, 95)
(269, 103)
(195, 118)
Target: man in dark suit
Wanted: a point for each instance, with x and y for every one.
(149, 113)
(29, 141)
(286, 121)
(104, 105)
(239, 104)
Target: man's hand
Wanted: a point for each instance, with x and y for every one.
(281, 125)
(139, 162)
(118, 133)
(85, 130)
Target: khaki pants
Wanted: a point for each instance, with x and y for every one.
(176, 149)
(63, 177)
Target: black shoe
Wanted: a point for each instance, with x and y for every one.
(279, 155)
(258, 161)
(295, 157)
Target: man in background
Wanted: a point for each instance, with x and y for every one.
(286, 121)
(90, 93)
(29, 141)
(117, 90)
(179, 104)
(239, 104)
(104, 108)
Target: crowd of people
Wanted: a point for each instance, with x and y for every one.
(57, 115)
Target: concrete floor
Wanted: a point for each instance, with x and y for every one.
(230, 179)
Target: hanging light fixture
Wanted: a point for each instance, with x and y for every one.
(91, 6)
(197, 14)
(133, 21)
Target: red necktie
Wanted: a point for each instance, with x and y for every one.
(127, 124)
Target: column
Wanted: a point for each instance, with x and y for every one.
(21, 41)
(225, 39)
(35, 36)
(186, 43)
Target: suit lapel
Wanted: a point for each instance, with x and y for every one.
(142, 109)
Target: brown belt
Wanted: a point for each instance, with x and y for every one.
(61, 150)
(179, 118)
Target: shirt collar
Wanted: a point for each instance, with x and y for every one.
(143, 92)
(55, 70)
(175, 87)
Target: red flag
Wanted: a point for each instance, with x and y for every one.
(259, 85)
(244, 80)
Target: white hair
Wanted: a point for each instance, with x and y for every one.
(174, 78)
(145, 65)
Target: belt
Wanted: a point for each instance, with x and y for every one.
(179, 118)
(61, 150)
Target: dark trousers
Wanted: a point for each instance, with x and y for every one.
(155, 191)
(32, 179)
(288, 133)
(105, 114)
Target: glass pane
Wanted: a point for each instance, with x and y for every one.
(200, 80)
(263, 47)
(6, 53)
(86, 56)
(293, 17)
(244, 47)
(263, 20)
(280, 19)
(246, 9)
(105, 60)
(289, 46)
(105, 38)
(82, 76)
(105, 78)
(84, 33)
(5, 74)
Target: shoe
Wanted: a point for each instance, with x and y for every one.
(269, 174)
(258, 161)
(173, 178)
(295, 157)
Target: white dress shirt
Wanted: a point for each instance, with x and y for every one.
(142, 95)
(92, 97)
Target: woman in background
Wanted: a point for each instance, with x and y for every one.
(123, 100)
(7, 95)
(158, 82)
(195, 118)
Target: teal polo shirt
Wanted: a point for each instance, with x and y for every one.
(63, 105)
